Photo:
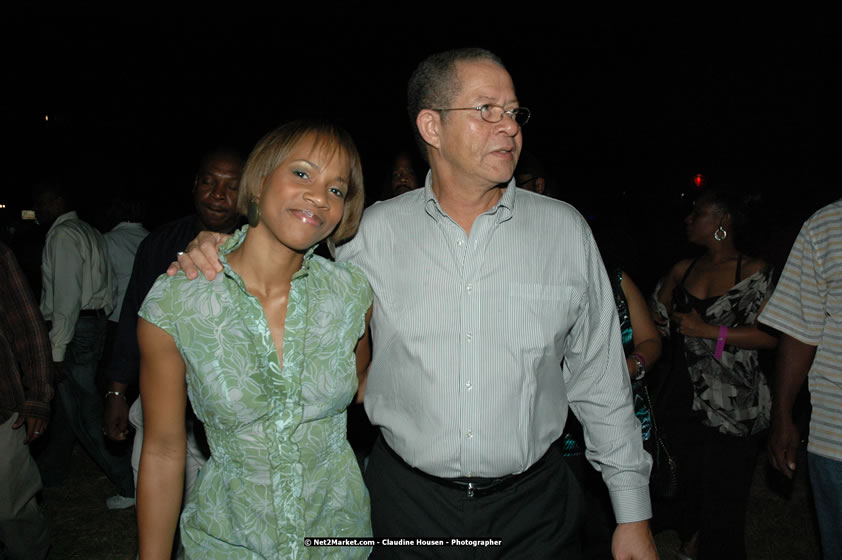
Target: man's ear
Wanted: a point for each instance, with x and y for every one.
(429, 124)
(539, 185)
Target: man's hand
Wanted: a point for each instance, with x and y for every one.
(791, 367)
(782, 446)
(34, 427)
(633, 541)
(201, 254)
(116, 416)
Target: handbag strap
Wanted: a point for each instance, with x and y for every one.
(655, 429)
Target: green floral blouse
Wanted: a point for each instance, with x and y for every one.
(281, 467)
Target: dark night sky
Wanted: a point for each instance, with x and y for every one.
(628, 105)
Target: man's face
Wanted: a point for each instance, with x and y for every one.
(215, 193)
(403, 175)
(472, 150)
(47, 208)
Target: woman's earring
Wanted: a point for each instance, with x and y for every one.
(720, 234)
(253, 213)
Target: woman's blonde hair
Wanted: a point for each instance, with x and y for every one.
(275, 147)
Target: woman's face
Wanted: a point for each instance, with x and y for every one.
(703, 221)
(303, 200)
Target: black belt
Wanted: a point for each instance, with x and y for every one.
(92, 313)
(473, 487)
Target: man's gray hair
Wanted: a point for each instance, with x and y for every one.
(435, 82)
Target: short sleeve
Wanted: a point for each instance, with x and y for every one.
(797, 305)
(161, 304)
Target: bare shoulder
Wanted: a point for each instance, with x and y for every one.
(672, 279)
(753, 265)
(679, 269)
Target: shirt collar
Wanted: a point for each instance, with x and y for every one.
(127, 225)
(502, 210)
(305, 264)
(237, 239)
(63, 218)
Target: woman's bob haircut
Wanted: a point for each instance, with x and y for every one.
(275, 147)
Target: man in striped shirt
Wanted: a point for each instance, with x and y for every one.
(807, 309)
(471, 319)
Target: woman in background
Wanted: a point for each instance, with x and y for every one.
(713, 302)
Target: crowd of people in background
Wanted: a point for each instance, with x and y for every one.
(512, 371)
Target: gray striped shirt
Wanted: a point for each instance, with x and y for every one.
(807, 305)
(469, 332)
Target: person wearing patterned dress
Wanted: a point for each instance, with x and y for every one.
(267, 353)
(711, 303)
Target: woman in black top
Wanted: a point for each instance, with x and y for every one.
(712, 303)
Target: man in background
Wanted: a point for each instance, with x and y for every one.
(78, 292)
(122, 242)
(215, 190)
(807, 309)
(26, 389)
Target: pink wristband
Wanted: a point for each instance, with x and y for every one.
(720, 341)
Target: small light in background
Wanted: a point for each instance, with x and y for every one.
(699, 180)
(46, 117)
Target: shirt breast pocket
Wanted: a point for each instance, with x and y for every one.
(537, 313)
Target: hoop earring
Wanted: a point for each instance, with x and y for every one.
(253, 213)
(720, 234)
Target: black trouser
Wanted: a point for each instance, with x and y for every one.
(718, 473)
(537, 516)
(598, 523)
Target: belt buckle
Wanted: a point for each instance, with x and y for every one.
(470, 490)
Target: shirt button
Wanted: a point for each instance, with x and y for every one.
(470, 336)
(469, 288)
(469, 386)
(460, 243)
(470, 434)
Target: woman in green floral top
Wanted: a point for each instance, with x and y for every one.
(266, 353)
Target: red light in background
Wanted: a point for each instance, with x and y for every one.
(699, 180)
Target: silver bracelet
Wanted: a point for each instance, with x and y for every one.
(120, 394)
(641, 368)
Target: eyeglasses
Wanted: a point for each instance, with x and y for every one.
(494, 113)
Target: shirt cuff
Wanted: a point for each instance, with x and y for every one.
(631, 505)
(37, 409)
(58, 353)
